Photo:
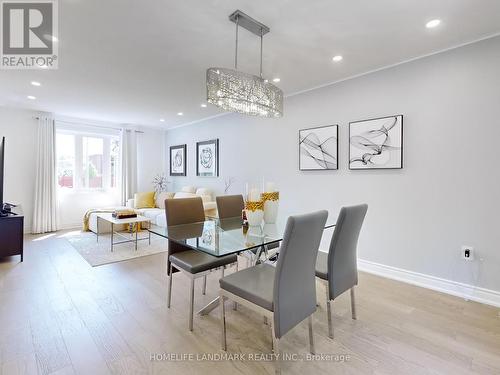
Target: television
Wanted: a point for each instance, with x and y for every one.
(2, 157)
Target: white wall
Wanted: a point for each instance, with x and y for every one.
(150, 157)
(19, 128)
(418, 217)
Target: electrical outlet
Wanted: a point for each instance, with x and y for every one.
(467, 253)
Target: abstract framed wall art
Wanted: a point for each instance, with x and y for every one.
(319, 148)
(376, 143)
(207, 158)
(178, 160)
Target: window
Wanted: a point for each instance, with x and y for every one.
(65, 149)
(93, 160)
(87, 161)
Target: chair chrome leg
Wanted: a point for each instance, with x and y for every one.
(169, 289)
(204, 287)
(277, 354)
(272, 336)
(235, 304)
(311, 335)
(223, 323)
(191, 305)
(353, 304)
(329, 312)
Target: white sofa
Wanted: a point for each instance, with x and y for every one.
(157, 214)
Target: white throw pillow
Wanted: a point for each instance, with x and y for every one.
(160, 198)
(203, 191)
(189, 189)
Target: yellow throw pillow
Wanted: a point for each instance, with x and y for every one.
(144, 200)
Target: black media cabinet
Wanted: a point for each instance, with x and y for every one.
(11, 233)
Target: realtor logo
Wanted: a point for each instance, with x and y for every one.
(29, 34)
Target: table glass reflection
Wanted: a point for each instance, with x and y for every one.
(219, 237)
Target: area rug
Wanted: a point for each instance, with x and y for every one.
(99, 253)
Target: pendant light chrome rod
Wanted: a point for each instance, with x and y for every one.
(261, 41)
(252, 25)
(236, 51)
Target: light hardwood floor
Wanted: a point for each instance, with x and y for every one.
(58, 315)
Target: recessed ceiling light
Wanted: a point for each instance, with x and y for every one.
(266, 80)
(31, 97)
(433, 23)
(337, 58)
(203, 105)
(180, 113)
(162, 120)
(35, 83)
(276, 79)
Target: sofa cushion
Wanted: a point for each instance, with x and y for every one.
(150, 213)
(183, 194)
(204, 191)
(161, 220)
(188, 189)
(144, 200)
(160, 198)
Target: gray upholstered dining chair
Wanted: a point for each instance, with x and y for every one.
(229, 206)
(193, 263)
(285, 294)
(338, 268)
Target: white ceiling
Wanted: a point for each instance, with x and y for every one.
(131, 61)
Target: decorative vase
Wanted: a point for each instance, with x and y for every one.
(255, 212)
(271, 205)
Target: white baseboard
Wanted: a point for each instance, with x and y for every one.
(67, 226)
(465, 291)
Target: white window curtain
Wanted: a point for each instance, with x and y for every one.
(128, 164)
(45, 205)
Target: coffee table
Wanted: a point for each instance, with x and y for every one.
(114, 221)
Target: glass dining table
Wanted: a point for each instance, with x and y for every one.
(220, 237)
